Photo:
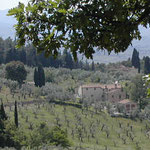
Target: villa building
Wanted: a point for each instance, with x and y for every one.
(111, 92)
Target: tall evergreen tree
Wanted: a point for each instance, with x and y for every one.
(76, 64)
(22, 56)
(87, 67)
(39, 76)
(2, 118)
(68, 61)
(36, 77)
(136, 60)
(80, 64)
(42, 76)
(146, 65)
(16, 115)
(2, 127)
(8, 56)
(2, 112)
(2, 131)
(93, 66)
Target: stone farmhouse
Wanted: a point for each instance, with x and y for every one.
(99, 92)
(128, 106)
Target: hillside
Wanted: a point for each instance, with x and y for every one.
(85, 129)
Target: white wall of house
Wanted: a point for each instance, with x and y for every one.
(110, 93)
(80, 92)
(116, 95)
(128, 106)
(95, 93)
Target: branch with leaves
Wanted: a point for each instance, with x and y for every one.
(80, 26)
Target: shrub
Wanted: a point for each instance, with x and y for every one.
(16, 71)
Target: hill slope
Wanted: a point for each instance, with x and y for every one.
(86, 129)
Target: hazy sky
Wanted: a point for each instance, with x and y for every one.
(7, 4)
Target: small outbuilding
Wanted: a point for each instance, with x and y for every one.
(127, 106)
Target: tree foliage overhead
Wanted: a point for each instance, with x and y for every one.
(81, 26)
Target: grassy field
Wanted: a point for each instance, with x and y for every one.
(86, 129)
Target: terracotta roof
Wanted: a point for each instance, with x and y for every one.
(30, 82)
(113, 90)
(125, 101)
(109, 86)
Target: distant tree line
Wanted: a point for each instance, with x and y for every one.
(28, 56)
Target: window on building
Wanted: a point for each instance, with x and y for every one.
(132, 106)
(94, 88)
(112, 96)
(102, 96)
(91, 95)
(128, 106)
(121, 89)
(86, 88)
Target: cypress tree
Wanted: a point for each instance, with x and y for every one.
(2, 131)
(93, 66)
(68, 61)
(87, 65)
(80, 64)
(2, 112)
(134, 57)
(16, 115)
(9, 56)
(22, 56)
(136, 60)
(139, 67)
(41, 76)
(36, 77)
(146, 65)
(76, 64)
(2, 127)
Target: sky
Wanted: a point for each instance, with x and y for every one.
(7, 4)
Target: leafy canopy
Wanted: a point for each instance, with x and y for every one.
(80, 26)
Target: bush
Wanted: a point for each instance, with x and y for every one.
(43, 135)
(16, 71)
